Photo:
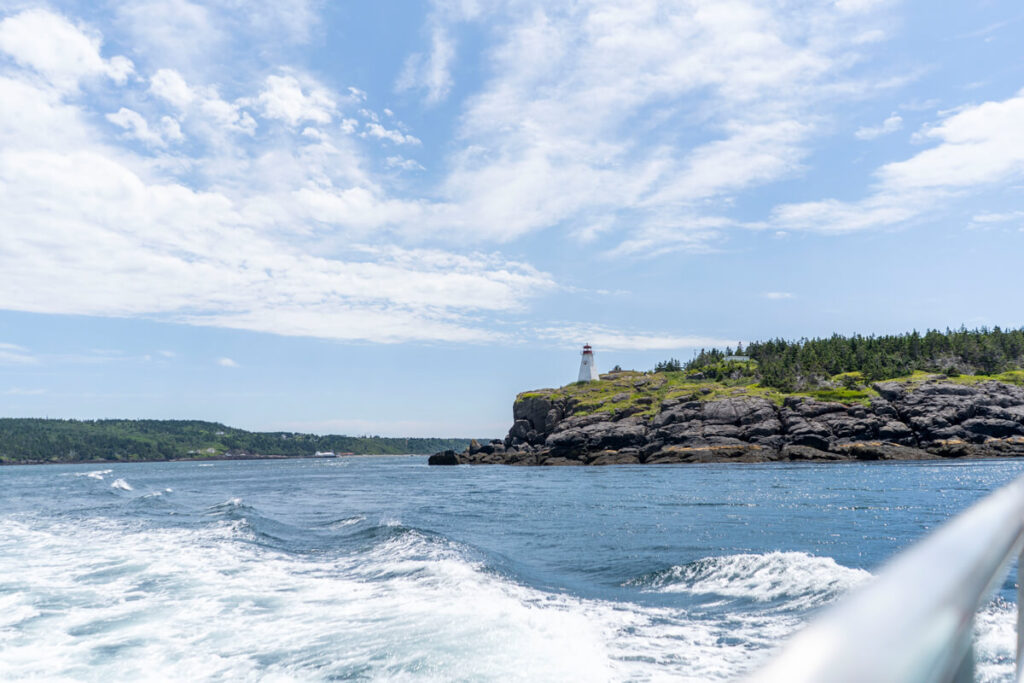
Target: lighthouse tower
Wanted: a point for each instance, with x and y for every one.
(588, 372)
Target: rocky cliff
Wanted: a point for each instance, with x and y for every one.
(652, 423)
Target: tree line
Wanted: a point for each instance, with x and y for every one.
(38, 440)
(793, 365)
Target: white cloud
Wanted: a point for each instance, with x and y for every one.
(285, 98)
(985, 220)
(632, 123)
(136, 127)
(834, 216)
(171, 129)
(115, 241)
(169, 85)
(12, 354)
(978, 146)
(375, 130)
(858, 6)
(270, 241)
(777, 296)
(226, 363)
(890, 125)
(998, 217)
(431, 72)
(603, 338)
(173, 33)
(292, 19)
(403, 163)
(18, 391)
(57, 49)
(982, 144)
(201, 103)
(645, 118)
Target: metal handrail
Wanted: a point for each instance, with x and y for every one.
(914, 622)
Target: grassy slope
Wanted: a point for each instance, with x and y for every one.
(646, 390)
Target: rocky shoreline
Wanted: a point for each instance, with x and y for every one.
(935, 419)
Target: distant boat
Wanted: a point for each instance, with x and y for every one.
(325, 454)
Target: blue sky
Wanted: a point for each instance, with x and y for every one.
(390, 217)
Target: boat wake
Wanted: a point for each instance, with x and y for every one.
(223, 600)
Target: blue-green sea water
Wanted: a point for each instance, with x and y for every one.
(386, 569)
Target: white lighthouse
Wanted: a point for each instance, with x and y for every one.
(588, 372)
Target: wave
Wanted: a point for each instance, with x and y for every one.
(121, 485)
(95, 474)
(799, 580)
(397, 603)
(344, 522)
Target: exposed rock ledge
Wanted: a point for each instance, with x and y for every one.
(936, 419)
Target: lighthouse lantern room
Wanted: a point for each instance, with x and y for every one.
(588, 371)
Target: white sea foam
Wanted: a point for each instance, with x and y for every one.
(995, 639)
(95, 474)
(349, 521)
(121, 485)
(108, 600)
(803, 580)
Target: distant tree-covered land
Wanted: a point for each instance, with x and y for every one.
(809, 363)
(25, 440)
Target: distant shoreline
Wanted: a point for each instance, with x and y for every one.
(215, 458)
(43, 441)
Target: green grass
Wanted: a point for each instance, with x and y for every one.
(642, 393)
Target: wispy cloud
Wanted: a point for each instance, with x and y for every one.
(18, 391)
(124, 235)
(603, 338)
(890, 125)
(430, 72)
(269, 200)
(986, 220)
(977, 147)
(375, 130)
(226, 363)
(12, 354)
(777, 296)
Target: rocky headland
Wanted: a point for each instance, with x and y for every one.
(659, 418)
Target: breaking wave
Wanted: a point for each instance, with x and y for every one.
(95, 474)
(802, 581)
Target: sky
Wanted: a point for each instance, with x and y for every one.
(391, 217)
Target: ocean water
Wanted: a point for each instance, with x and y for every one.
(386, 569)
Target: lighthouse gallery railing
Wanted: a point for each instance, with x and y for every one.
(914, 621)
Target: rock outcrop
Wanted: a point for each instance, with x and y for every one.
(902, 421)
